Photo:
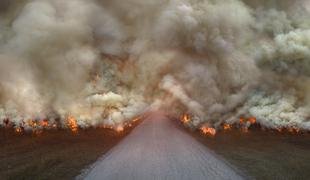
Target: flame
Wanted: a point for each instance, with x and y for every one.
(72, 124)
(39, 126)
(252, 120)
(136, 119)
(120, 129)
(44, 123)
(289, 129)
(106, 127)
(208, 130)
(32, 123)
(185, 118)
(54, 125)
(241, 120)
(18, 130)
(297, 130)
(227, 126)
(293, 130)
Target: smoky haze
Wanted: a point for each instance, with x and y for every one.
(105, 62)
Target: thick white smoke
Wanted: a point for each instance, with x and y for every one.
(105, 62)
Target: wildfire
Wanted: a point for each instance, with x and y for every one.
(120, 129)
(289, 129)
(18, 130)
(293, 130)
(136, 119)
(185, 118)
(38, 126)
(241, 120)
(72, 124)
(106, 127)
(227, 127)
(44, 123)
(32, 123)
(252, 120)
(246, 122)
(208, 130)
(54, 125)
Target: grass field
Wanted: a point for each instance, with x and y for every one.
(263, 155)
(53, 154)
(62, 155)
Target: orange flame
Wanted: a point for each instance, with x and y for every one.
(54, 125)
(32, 123)
(290, 130)
(72, 124)
(293, 130)
(208, 130)
(297, 130)
(185, 118)
(136, 119)
(44, 123)
(120, 129)
(18, 130)
(252, 120)
(241, 120)
(227, 126)
(106, 127)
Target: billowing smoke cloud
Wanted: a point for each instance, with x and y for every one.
(105, 62)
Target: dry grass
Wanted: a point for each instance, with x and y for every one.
(54, 154)
(263, 154)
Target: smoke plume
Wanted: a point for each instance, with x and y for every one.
(106, 62)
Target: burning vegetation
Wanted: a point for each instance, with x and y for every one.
(208, 130)
(102, 65)
(185, 118)
(36, 127)
(72, 124)
(245, 124)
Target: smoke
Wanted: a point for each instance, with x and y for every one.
(105, 63)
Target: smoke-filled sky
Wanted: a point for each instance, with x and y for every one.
(105, 62)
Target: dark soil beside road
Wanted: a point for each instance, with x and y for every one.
(54, 154)
(263, 154)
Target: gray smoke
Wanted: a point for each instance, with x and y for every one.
(106, 62)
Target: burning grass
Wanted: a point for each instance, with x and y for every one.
(245, 124)
(258, 152)
(38, 126)
(263, 154)
(53, 153)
